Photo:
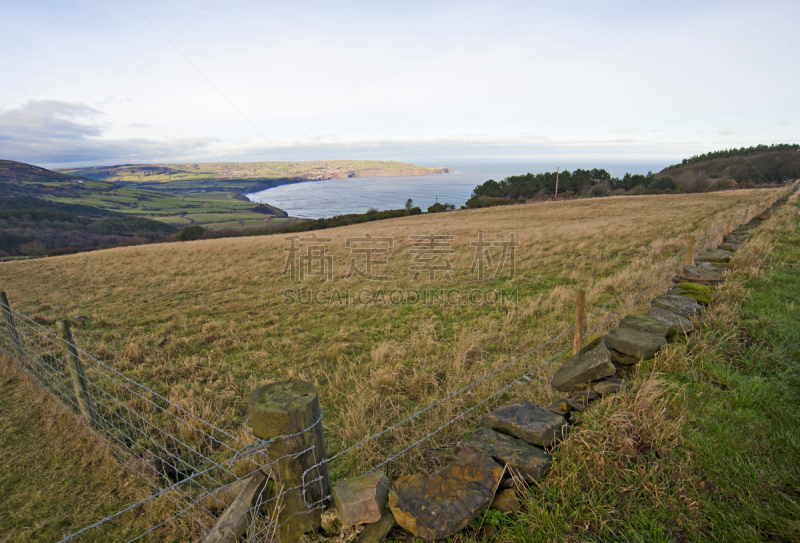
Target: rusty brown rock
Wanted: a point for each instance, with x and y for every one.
(440, 506)
(362, 499)
(506, 502)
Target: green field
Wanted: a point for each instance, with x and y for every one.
(211, 210)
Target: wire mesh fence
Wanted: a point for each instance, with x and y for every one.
(199, 469)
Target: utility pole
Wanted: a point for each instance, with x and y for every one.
(557, 171)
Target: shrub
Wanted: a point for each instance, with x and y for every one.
(487, 201)
(191, 232)
(599, 191)
(665, 182)
(437, 207)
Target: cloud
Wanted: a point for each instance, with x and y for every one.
(58, 134)
(55, 134)
(140, 125)
(783, 123)
(726, 132)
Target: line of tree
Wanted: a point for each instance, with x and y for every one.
(592, 183)
(740, 152)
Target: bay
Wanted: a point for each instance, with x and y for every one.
(315, 199)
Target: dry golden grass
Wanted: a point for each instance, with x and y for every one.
(205, 322)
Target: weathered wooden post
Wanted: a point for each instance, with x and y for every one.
(576, 346)
(689, 252)
(8, 317)
(76, 373)
(291, 409)
(728, 226)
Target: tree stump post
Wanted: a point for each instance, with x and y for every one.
(76, 373)
(291, 409)
(577, 344)
(689, 252)
(8, 318)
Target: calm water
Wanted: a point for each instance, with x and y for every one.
(316, 199)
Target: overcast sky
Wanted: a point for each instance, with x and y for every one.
(90, 82)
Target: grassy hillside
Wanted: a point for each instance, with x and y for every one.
(50, 210)
(206, 322)
(244, 174)
(746, 166)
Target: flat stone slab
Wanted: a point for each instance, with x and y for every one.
(714, 256)
(609, 386)
(584, 397)
(377, 531)
(729, 246)
(583, 367)
(702, 271)
(646, 324)
(733, 235)
(665, 315)
(686, 307)
(527, 422)
(441, 506)
(531, 461)
(362, 499)
(233, 522)
(635, 343)
(701, 293)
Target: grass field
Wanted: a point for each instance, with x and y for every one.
(206, 322)
(211, 209)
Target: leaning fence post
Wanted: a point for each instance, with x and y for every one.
(728, 226)
(11, 327)
(689, 252)
(76, 372)
(289, 413)
(576, 346)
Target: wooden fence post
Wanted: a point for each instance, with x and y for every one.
(291, 409)
(11, 327)
(689, 252)
(728, 226)
(576, 346)
(76, 373)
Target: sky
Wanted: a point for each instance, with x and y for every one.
(141, 81)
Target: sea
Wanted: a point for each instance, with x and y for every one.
(326, 198)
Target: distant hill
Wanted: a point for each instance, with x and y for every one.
(11, 171)
(315, 170)
(47, 212)
(244, 177)
(745, 166)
